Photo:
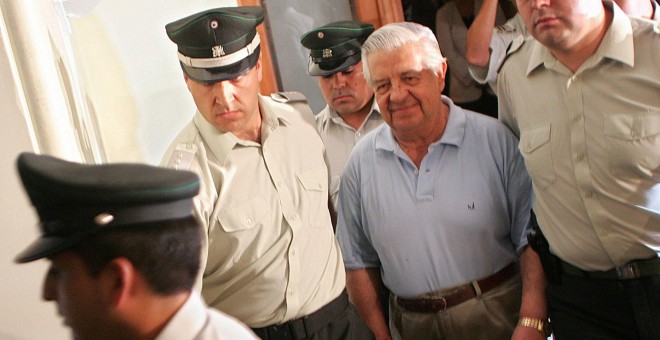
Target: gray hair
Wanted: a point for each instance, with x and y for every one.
(394, 35)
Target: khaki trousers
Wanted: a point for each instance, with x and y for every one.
(492, 315)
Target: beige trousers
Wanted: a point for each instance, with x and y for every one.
(492, 315)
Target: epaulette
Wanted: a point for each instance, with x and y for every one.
(513, 47)
(505, 28)
(182, 156)
(288, 97)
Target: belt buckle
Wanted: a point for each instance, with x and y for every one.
(627, 271)
(444, 303)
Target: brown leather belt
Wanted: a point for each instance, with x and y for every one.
(460, 295)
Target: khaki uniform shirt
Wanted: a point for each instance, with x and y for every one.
(270, 255)
(340, 138)
(591, 143)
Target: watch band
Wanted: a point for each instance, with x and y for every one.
(543, 326)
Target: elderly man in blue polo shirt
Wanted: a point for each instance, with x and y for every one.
(436, 201)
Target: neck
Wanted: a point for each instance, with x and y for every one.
(416, 143)
(355, 119)
(151, 315)
(252, 132)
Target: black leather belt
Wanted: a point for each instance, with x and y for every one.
(631, 270)
(306, 326)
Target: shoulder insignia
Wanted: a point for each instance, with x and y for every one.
(182, 156)
(288, 97)
(513, 47)
(505, 28)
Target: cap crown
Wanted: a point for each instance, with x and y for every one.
(335, 46)
(74, 200)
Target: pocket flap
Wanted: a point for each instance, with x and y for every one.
(313, 180)
(632, 126)
(533, 139)
(243, 215)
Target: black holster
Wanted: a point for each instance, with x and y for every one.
(551, 263)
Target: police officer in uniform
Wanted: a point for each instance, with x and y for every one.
(351, 111)
(124, 250)
(270, 256)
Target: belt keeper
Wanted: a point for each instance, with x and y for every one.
(476, 288)
(628, 271)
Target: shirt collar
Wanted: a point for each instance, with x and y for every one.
(188, 321)
(221, 143)
(335, 118)
(453, 134)
(617, 44)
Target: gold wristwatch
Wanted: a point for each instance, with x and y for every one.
(543, 326)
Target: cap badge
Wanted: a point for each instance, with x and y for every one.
(320, 35)
(218, 51)
(327, 53)
(103, 219)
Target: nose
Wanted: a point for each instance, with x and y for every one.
(538, 3)
(224, 92)
(339, 80)
(398, 92)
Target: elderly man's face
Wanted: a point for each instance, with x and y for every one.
(560, 24)
(230, 105)
(347, 91)
(77, 294)
(408, 94)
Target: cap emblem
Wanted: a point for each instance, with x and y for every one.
(218, 51)
(103, 219)
(320, 35)
(327, 53)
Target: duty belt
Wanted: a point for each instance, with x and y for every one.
(631, 270)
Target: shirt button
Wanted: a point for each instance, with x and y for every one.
(577, 118)
(358, 133)
(588, 194)
(248, 221)
(580, 156)
(634, 133)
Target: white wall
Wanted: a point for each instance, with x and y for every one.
(132, 80)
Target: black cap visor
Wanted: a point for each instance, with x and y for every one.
(50, 245)
(332, 67)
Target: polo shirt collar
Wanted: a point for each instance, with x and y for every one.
(617, 44)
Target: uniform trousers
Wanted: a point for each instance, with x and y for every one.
(591, 308)
(491, 315)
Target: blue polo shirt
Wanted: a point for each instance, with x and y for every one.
(463, 215)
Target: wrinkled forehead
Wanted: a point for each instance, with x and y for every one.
(387, 64)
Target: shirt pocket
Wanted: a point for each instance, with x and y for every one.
(536, 149)
(244, 215)
(633, 142)
(314, 197)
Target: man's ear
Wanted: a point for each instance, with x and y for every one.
(442, 74)
(119, 281)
